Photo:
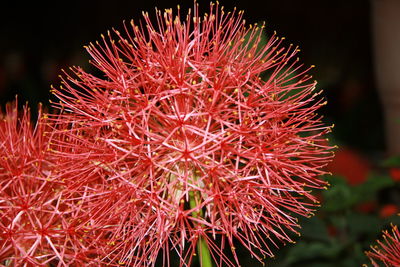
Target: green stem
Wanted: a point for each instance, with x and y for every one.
(202, 246)
(204, 252)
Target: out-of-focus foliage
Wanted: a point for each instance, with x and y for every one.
(350, 219)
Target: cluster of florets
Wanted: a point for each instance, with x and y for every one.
(196, 132)
(37, 225)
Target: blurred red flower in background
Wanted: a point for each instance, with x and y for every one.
(395, 174)
(367, 207)
(351, 165)
(388, 210)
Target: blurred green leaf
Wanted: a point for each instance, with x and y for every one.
(304, 251)
(341, 196)
(391, 162)
(369, 188)
(362, 224)
(314, 228)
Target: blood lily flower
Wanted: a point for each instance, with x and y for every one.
(388, 250)
(196, 135)
(28, 222)
(35, 223)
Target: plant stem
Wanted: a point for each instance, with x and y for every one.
(204, 253)
(202, 246)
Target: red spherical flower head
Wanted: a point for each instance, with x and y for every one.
(33, 217)
(388, 250)
(196, 134)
